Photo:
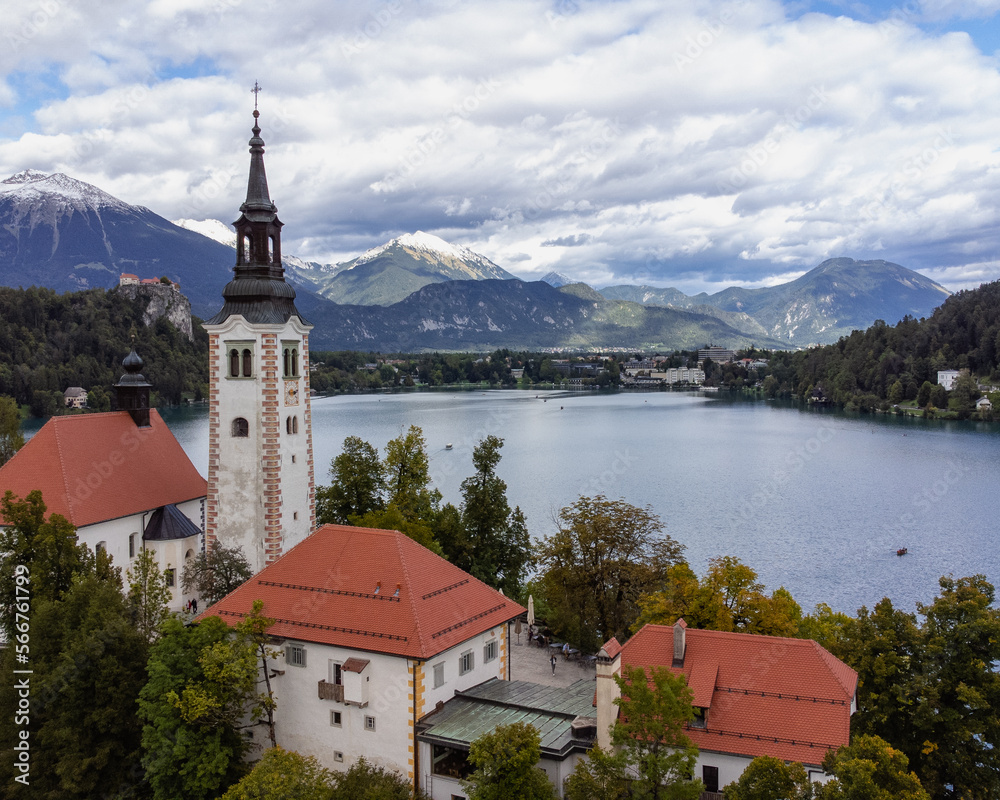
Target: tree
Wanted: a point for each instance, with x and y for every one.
(192, 707)
(506, 762)
(148, 595)
(497, 545)
(653, 710)
(602, 775)
(365, 781)
(48, 548)
(214, 574)
(924, 395)
(88, 666)
(964, 393)
(768, 778)
(605, 556)
(408, 476)
(11, 437)
(357, 487)
(284, 775)
(870, 769)
(252, 630)
(728, 598)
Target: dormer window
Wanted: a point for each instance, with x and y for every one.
(700, 715)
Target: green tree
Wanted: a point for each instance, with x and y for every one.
(964, 393)
(871, 769)
(48, 548)
(98, 399)
(88, 666)
(408, 477)
(728, 598)
(214, 574)
(357, 486)
(11, 437)
(602, 775)
(252, 631)
(506, 765)
(924, 395)
(606, 555)
(768, 778)
(192, 706)
(148, 594)
(497, 544)
(650, 733)
(284, 775)
(365, 781)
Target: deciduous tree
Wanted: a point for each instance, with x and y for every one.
(602, 775)
(653, 711)
(606, 555)
(215, 573)
(357, 486)
(148, 595)
(768, 778)
(284, 775)
(506, 765)
(871, 769)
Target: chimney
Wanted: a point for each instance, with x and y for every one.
(679, 642)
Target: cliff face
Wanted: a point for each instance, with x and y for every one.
(162, 301)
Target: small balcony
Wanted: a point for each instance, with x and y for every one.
(331, 691)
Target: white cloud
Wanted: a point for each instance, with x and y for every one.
(677, 142)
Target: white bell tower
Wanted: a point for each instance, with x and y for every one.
(261, 490)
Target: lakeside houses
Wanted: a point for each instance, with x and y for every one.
(75, 397)
(720, 355)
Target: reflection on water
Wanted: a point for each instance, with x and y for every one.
(816, 502)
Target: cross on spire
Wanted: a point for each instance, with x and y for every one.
(256, 90)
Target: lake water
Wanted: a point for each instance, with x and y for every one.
(816, 501)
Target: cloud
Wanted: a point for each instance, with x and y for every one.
(669, 143)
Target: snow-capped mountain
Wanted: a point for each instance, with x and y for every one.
(557, 279)
(212, 228)
(65, 234)
(392, 271)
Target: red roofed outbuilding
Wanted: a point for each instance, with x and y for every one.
(753, 695)
(376, 630)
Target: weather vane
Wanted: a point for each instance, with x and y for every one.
(256, 90)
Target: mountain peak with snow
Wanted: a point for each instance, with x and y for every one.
(212, 228)
(31, 186)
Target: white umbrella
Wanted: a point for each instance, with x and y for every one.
(531, 610)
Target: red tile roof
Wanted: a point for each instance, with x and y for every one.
(96, 467)
(765, 695)
(371, 590)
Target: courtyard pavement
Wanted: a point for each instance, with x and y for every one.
(531, 663)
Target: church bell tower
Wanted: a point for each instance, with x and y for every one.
(261, 491)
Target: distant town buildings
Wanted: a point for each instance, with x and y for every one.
(128, 279)
(75, 397)
(717, 354)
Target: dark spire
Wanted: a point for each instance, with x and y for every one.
(132, 390)
(258, 291)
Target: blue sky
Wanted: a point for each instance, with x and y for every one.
(687, 143)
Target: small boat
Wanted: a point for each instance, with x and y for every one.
(448, 446)
(901, 551)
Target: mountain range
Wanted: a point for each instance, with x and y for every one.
(419, 292)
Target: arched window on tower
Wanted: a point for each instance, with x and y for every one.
(287, 363)
(292, 424)
(295, 362)
(234, 363)
(241, 428)
(270, 249)
(247, 364)
(246, 249)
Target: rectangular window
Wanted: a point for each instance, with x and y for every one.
(131, 545)
(295, 655)
(168, 575)
(335, 719)
(490, 651)
(338, 756)
(369, 723)
(438, 675)
(710, 777)
(466, 662)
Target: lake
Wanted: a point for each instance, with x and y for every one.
(816, 501)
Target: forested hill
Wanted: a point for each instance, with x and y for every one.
(51, 341)
(963, 333)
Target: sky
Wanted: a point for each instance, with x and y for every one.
(680, 143)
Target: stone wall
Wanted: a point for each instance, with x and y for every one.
(161, 301)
